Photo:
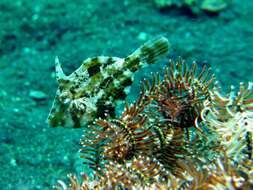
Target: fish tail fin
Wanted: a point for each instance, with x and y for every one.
(148, 53)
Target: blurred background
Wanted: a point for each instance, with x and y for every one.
(215, 33)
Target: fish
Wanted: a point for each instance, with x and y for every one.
(95, 88)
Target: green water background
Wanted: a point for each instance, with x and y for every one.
(32, 33)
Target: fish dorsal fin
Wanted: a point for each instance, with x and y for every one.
(60, 75)
(148, 53)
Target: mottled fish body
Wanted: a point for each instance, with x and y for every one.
(93, 89)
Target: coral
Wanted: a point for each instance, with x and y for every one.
(232, 118)
(180, 133)
(219, 175)
(196, 5)
(179, 97)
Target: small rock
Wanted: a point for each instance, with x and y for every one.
(143, 36)
(214, 5)
(13, 162)
(163, 3)
(37, 95)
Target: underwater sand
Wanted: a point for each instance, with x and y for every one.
(35, 156)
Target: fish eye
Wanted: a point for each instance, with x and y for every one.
(64, 97)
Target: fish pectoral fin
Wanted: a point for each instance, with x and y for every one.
(56, 116)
